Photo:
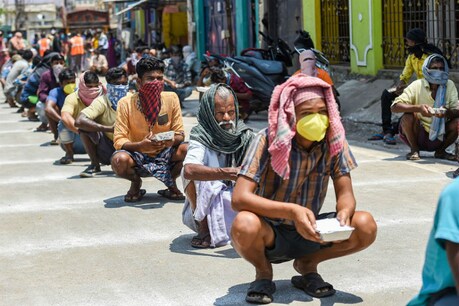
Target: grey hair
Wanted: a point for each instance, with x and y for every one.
(223, 92)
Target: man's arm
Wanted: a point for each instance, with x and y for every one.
(452, 251)
(345, 200)
(51, 110)
(69, 121)
(244, 198)
(198, 172)
(86, 124)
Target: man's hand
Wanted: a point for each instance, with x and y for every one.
(232, 172)
(305, 223)
(344, 217)
(148, 144)
(425, 110)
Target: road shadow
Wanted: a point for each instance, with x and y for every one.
(285, 294)
(182, 245)
(102, 174)
(149, 201)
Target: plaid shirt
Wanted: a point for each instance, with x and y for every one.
(180, 76)
(309, 174)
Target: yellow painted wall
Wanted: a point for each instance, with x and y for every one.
(175, 28)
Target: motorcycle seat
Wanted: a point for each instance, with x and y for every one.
(265, 66)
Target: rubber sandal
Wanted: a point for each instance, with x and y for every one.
(376, 137)
(65, 160)
(413, 156)
(389, 139)
(261, 291)
(445, 156)
(456, 173)
(168, 194)
(201, 241)
(129, 198)
(313, 285)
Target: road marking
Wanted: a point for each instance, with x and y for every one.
(28, 161)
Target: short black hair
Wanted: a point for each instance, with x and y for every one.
(114, 74)
(67, 74)
(217, 74)
(36, 60)
(27, 55)
(90, 77)
(437, 59)
(149, 64)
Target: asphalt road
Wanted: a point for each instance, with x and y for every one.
(65, 240)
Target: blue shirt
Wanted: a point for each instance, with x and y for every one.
(57, 96)
(436, 274)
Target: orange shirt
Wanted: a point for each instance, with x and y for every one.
(77, 45)
(44, 44)
(321, 74)
(131, 125)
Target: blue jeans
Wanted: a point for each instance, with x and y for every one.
(66, 136)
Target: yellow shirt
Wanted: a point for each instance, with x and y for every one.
(73, 105)
(101, 111)
(419, 92)
(131, 125)
(413, 65)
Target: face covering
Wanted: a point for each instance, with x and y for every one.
(69, 88)
(313, 127)
(150, 99)
(57, 69)
(115, 93)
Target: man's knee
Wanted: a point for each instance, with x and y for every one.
(245, 226)
(366, 226)
(121, 161)
(407, 121)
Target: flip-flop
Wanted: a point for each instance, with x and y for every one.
(389, 139)
(201, 241)
(129, 198)
(456, 173)
(313, 285)
(261, 291)
(376, 137)
(168, 194)
(65, 160)
(445, 156)
(413, 156)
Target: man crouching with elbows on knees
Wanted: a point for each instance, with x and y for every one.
(282, 185)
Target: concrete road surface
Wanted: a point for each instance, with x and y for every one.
(71, 241)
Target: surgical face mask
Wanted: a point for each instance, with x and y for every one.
(224, 125)
(57, 69)
(313, 127)
(115, 93)
(69, 88)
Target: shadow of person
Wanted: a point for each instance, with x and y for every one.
(182, 245)
(285, 294)
(149, 201)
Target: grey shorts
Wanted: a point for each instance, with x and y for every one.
(104, 146)
(289, 244)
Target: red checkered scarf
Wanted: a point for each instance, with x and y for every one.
(282, 121)
(150, 100)
(87, 94)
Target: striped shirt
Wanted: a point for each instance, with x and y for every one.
(309, 172)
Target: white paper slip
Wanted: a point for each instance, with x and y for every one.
(164, 136)
(331, 230)
(202, 88)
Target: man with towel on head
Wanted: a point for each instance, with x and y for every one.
(215, 152)
(283, 183)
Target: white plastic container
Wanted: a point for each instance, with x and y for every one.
(331, 230)
(164, 136)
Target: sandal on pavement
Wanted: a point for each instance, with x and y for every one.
(376, 137)
(445, 155)
(131, 198)
(168, 194)
(42, 128)
(54, 142)
(313, 285)
(413, 156)
(66, 160)
(456, 173)
(261, 291)
(389, 139)
(201, 241)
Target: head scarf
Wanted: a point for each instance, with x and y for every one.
(150, 100)
(417, 35)
(115, 93)
(433, 76)
(282, 121)
(86, 94)
(214, 137)
(308, 62)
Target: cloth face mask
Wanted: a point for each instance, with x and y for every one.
(313, 127)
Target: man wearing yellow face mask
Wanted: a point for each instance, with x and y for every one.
(55, 100)
(283, 183)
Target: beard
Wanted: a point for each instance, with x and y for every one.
(228, 126)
